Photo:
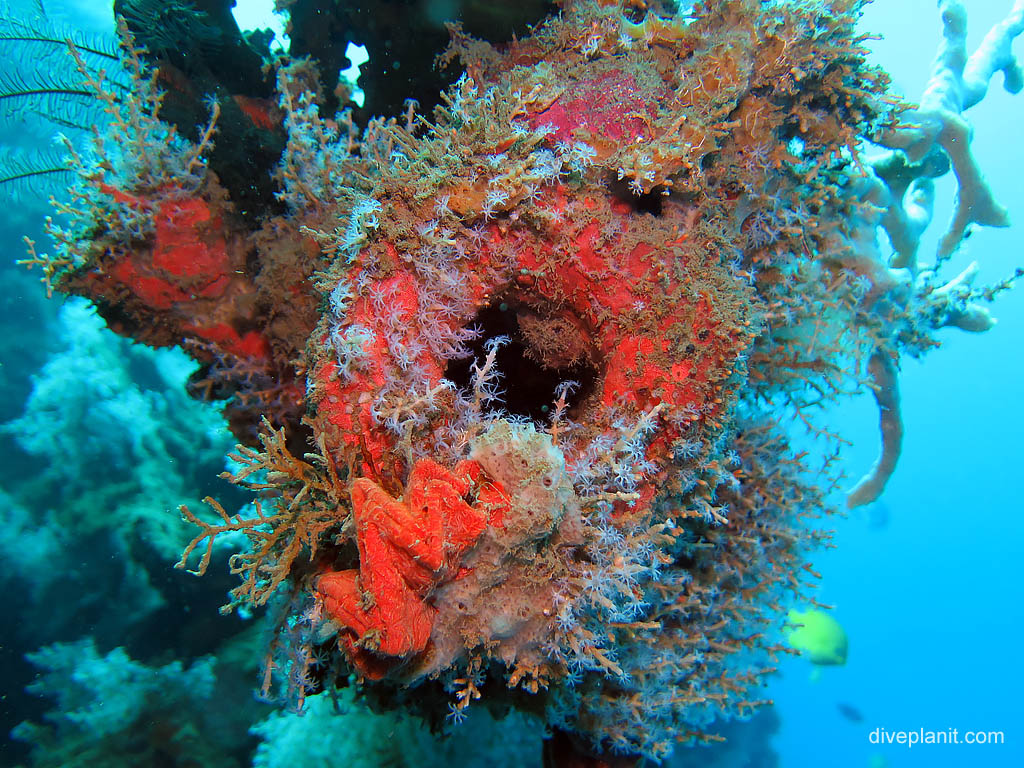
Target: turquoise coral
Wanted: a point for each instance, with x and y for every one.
(113, 710)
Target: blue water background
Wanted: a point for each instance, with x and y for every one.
(932, 602)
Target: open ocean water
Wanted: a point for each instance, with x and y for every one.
(930, 599)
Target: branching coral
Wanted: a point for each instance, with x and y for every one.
(308, 502)
(958, 82)
(934, 135)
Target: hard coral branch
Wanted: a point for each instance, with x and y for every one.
(915, 298)
(885, 386)
(958, 82)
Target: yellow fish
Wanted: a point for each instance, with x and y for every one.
(818, 636)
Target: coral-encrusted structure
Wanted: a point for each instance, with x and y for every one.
(539, 342)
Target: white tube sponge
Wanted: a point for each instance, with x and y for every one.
(958, 83)
(995, 54)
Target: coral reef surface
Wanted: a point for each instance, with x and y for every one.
(511, 379)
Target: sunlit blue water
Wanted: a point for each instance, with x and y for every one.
(932, 602)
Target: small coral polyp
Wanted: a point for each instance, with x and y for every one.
(542, 339)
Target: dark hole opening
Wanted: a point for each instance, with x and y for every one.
(529, 388)
(649, 202)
